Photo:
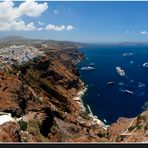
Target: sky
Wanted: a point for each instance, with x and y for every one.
(75, 21)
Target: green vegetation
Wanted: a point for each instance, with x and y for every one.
(33, 123)
(21, 76)
(34, 129)
(23, 125)
(139, 127)
(84, 114)
(32, 76)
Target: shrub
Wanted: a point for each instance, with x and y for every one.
(34, 129)
(139, 127)
(23, 124)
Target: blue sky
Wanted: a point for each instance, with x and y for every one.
(87, 21)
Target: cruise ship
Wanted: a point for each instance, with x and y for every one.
(120, 71)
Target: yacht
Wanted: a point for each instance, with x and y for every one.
(128, 91)
(120, 71)
(110, 82)
(145, 64)
(87, 68)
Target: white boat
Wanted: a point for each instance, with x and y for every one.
(120, 71)
(145, 64)
(128, 91)
(110, 82)
(87, 68)
(128, 54)
(104, 120)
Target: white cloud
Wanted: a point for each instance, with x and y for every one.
(30, 26)
(56, 28)
(143, 32)
(59, 28)
(32, 8)
(40, 29)
(11, 16)
(56, 11)
(69, 27)
(40, 23)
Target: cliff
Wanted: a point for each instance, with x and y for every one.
(40, 94)
(39, 97)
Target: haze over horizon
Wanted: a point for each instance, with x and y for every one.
(91, 22)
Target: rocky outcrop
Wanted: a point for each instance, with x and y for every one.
(10, 87)
(11, 132)
(130, 130)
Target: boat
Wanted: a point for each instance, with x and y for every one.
(128, 54)
(145, 64)
(120, 71)
(87, 68)
(92, 64)
(110, 82)
(104, 120)
(121, 83)
(128, 91)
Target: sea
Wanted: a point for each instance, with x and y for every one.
(109, 102)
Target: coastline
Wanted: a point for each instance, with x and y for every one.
(78, 98)
(94, 118)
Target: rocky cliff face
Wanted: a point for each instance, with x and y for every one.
(40, 94)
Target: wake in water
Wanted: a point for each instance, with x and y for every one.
(137, 88)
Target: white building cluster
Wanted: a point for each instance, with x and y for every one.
(19, 54)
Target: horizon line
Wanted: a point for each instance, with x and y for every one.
(85, 42)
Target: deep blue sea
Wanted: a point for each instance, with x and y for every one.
(112, 102)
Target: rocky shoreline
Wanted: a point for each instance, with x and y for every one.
(94, 118)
